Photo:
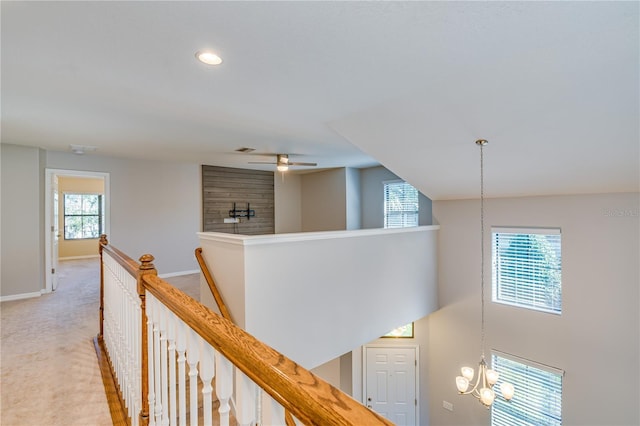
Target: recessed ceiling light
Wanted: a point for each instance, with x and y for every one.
(208, 57)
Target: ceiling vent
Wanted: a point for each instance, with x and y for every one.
(245, 150)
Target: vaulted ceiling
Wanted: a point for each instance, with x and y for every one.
(553, 86)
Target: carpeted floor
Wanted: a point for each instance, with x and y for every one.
(48, 364)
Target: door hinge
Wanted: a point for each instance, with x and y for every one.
(52, 228)
(416, 402)
(53, 270)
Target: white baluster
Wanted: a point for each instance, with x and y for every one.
(224, 387)
(245, 399)
(150, 303)
(193, 352)
(163, 365)
(181, 346)
(137, 358)
(272, 411)
(207, 371)
(157, 364)
(171, 335)
(128, 361)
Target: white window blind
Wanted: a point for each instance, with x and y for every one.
(538, 394)
(527, 268)
(400, 205)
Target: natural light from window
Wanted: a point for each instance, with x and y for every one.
(538, 399)
(401, 206)
(82, 216)
(527, 268)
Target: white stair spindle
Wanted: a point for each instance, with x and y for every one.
(150, 303)
(181, 346)
(245, 399)
(193, 352)
(157, 364)
(272, 411)
(224, 386)
(173, 400)
(207, 371)
(163, 365)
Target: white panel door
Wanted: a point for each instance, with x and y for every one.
(391, 383)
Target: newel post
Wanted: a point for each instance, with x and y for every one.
(101, 244)
(146, 268)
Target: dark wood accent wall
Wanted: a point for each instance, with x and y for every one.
(222, 186)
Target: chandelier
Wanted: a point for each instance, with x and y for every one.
(487, 378)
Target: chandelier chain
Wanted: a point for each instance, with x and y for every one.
(482, 245)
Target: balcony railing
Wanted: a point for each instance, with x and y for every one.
(175, 362)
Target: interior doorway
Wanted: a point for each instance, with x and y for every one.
(53, 231)
(390, 382)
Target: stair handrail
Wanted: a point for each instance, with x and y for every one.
(309, 398)
(212, 285)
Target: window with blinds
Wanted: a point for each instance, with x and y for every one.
(527, 268)
(400, 205)
(538, 393)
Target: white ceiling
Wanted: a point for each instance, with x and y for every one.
(554, 86)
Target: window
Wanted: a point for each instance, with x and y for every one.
(400, 205)
(82, 216)
(527, 268)
(404, 331)
(538, 396)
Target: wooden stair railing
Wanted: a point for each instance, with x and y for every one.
(307, 397)
(222, 307)
(212, 285)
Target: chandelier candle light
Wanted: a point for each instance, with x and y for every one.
(483, 388)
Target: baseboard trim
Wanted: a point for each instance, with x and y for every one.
(177, 274)
(20, 296)
(88, 256)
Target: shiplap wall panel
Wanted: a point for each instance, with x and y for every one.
(222, 186)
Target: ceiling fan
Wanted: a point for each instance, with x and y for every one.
(282, 162)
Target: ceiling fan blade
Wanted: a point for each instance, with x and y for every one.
(295, 163)
(261, 162)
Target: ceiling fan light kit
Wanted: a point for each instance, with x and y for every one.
(283, 163)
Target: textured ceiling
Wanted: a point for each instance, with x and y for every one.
(410, 85)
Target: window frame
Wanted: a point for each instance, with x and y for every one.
(553, 238)
(99, 215)
(403, 213)
(528, 396)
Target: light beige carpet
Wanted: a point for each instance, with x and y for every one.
(49, 369)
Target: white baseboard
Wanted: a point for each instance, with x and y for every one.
(89, 256)
(177, 274)
(20, 296)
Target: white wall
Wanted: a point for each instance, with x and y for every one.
(596, 340)
(287, 202)
(353, 199)
(302, 294)
(21, 230)
(155, 207)
(324, 201)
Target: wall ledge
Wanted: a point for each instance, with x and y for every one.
(250, 240)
